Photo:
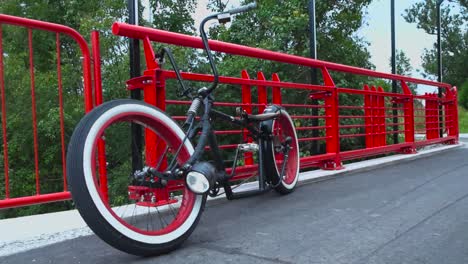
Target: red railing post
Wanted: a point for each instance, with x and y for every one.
(276, 90)
(4, 127)
(262, 93)
(408, 114)
(451, 113)
(158, 98)
(374, 113)
(62, 118)
(33, 110)
(246, 105)
(454, 112)
(437, 124)
(332, 122)
(368, 117)
(382, 125)
(98, 99)
(432, 116)
(428, 119)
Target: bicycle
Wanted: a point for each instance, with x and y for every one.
(96, 174)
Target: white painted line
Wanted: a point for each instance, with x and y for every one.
(25, 233)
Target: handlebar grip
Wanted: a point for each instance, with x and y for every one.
(243, 9)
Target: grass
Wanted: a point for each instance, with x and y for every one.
(463, 119)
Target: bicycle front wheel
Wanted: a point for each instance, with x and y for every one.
(141, 215)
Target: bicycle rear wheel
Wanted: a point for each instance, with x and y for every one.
(281, 128)
(139, 215)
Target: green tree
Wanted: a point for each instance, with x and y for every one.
(83, 16)
(403, 65)
(454, 32)
(284, 26)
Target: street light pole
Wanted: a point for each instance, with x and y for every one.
(439, 64)
(135, 71)
(314, 78)
(394, 84)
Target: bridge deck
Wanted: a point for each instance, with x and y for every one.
(412, 212)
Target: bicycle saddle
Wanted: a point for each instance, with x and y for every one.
(263, 117)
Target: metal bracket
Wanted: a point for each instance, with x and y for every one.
(331, 165)
(138, 82)
(319, 95)
(396, 100)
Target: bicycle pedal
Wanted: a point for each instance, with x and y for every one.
(248, 147)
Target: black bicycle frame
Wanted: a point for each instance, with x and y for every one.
(208, 137)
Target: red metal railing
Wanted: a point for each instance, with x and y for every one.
(339, 120)
(372, 119)
(58, 30)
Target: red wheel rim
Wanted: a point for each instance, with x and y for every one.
(282, 128)
(165, 133)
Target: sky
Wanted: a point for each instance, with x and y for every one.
(377, 31)
(409, 38)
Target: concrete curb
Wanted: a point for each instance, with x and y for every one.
(26, 233)
(352, 168)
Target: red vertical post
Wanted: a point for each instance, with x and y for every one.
(154, 93)
(431, 117)
(368, 117)
(62, 123)
(332, 121)
(276, 90)
(160, 102)
(382, 125)
(374, 113)
(262, 93)
(447, 112)
(33, 107)
(98, 98)
(97, 67)
(149, 93)
(454, 112)
(451, 113)
(150, 57)
(437, 124)
(247, 106)
(434, 117)
(408, 115)
(4, 128)
(428, 117)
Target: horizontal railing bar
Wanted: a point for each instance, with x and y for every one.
(312, 139)
(239, 81)
(312, 128)
(132, 31)
(36, 199)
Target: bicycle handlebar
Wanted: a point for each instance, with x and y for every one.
(206, 46)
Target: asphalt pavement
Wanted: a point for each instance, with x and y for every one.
(411, 212)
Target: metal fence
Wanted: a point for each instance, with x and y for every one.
(353, 122)
(33, 27)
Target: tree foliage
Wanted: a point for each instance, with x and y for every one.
(283, 26)
(83, 16)
(454, 32)
(276, 25)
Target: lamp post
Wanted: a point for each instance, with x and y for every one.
(314, 79)
(439, 64)
(394, 84)
(135, 71)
